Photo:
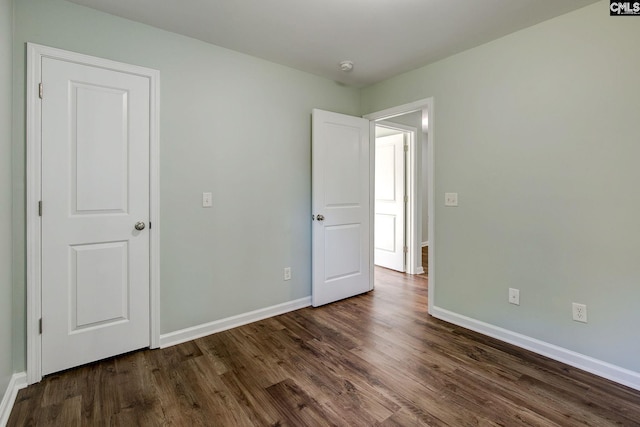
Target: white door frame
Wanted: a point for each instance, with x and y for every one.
(35, 53)
(426, 106)
(410, 178)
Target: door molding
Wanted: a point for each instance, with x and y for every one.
(35, 54)
(425, 105)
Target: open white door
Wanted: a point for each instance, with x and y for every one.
(95, 213)
(341, 207)
(389, 235)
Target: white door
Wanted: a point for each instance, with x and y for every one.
(341, 207)
(389, 235)
(95, 188)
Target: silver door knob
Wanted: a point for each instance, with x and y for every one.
(320, 217)
(139, 225)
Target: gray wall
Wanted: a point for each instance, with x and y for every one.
(6, 352)
(231, 124)
(538, 133)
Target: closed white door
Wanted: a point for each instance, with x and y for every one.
(95, 188)
(389, 235)
(340, 207)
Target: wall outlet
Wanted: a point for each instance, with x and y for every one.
(514, 296)
(287, 273)
(579, 312)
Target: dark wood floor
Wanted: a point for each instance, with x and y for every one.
(425, 259)
(376, 359)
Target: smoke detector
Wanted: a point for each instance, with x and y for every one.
(346, 66)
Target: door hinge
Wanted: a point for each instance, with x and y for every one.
(406, 249)
(40, 325)
(40, 90)
(406, 198)
(406, 148)
(40, 208)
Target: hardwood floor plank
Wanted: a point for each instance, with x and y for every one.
(443, 382)
(59, 389)
(169, 386)
(300, 409)
(573, 406)
(403, 418)
(97, 384)
(67, 413)
(24, 411)
(256, 402)
(243, 358)
(211, 395)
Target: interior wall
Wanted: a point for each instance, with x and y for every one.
(538, 134)
(231, 124)
(6, 350)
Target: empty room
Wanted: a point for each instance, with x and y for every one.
(347, 212)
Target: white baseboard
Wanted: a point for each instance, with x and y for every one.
(586, 363)
(199, 331)
(425, 243)
(420, 270)
(17, 382)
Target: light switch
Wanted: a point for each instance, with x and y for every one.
(207, 200)
(451, 199)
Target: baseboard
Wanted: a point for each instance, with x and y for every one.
(586, 363)
(199, 331)
(424, 244)
(420, 270)
(17, 382)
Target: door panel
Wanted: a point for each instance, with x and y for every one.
(95, 187)
(389, 219)
(341, 195)
(101, 146)
(385, 233)
(342, 252)
(99, 284)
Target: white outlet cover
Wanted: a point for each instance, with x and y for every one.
(514, 296)
(451, 199)
(579, 312)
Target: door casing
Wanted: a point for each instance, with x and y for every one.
(35, 53)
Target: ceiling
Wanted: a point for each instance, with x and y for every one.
(382, 37)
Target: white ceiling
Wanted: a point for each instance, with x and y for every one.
(382, 37)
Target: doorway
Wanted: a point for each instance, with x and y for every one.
(420, 207)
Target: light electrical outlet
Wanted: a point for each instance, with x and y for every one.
(514, 296)
(287, 273)
(579, 312)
